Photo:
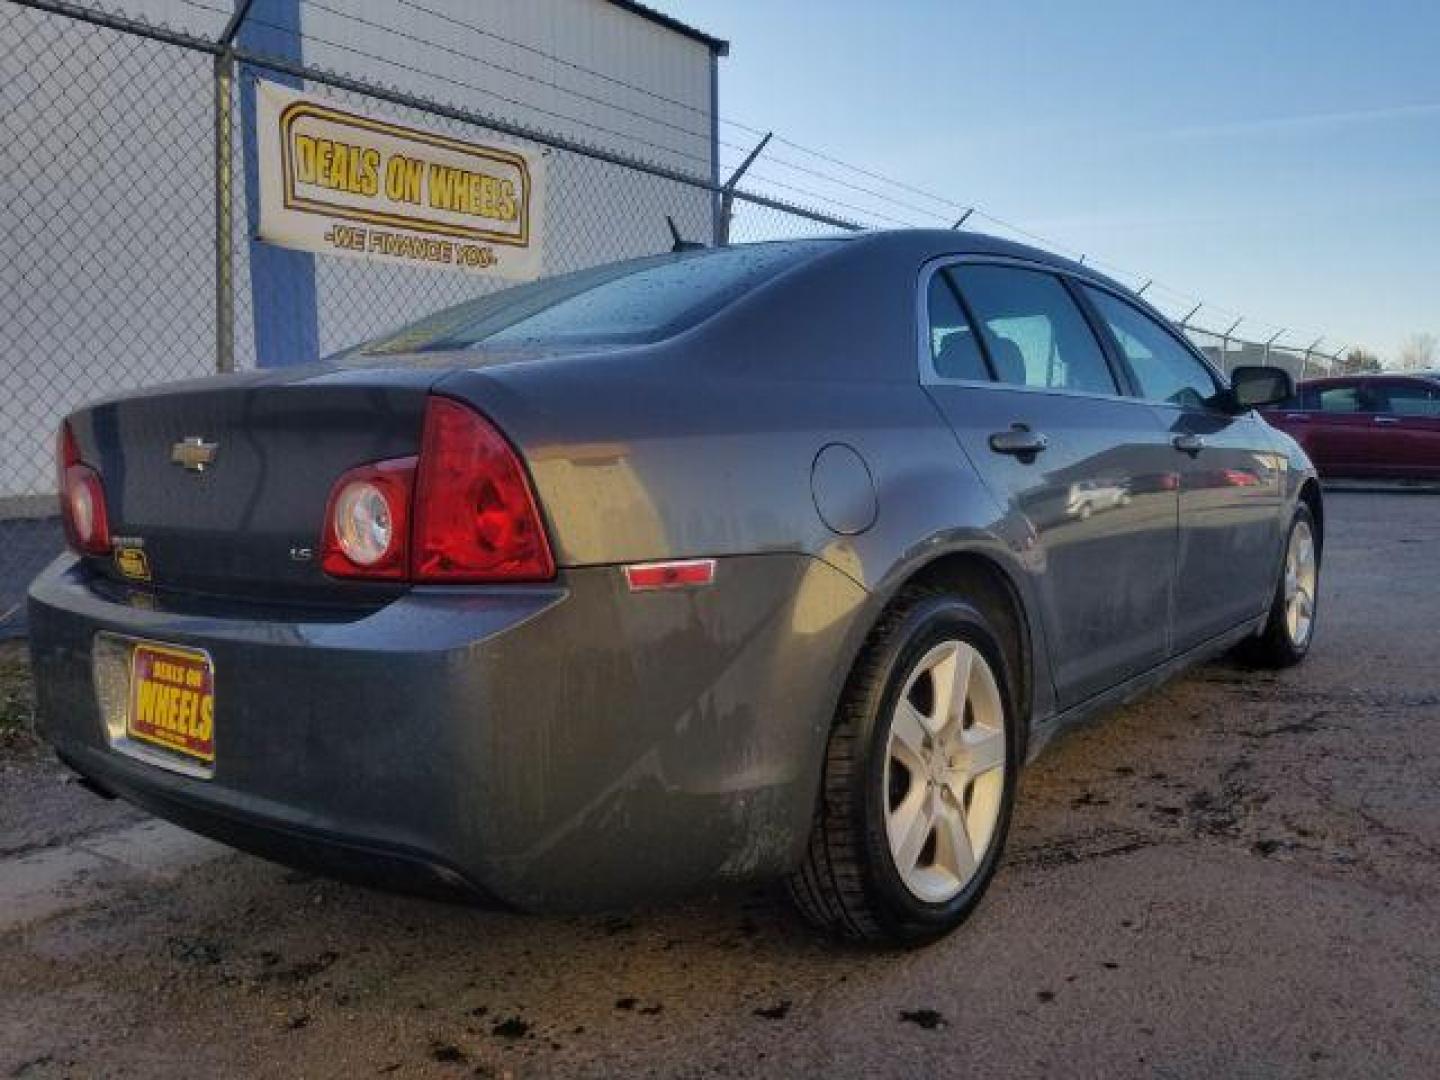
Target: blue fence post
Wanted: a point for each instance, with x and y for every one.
(282, 282)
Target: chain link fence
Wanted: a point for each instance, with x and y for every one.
(1229, 352)
(127, 222)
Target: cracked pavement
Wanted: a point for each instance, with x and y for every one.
(1235, 876)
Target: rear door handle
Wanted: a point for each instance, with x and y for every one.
(1387, 420)
(1188, 444)
(1019, 442)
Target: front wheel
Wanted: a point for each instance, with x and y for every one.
(1291, 625)
(919, 779)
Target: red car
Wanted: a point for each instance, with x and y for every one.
(1366, 425)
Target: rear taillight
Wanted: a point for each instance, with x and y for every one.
(82, 498)
(475, 516)
(367, 522)
(462, 512)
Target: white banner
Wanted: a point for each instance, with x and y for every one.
(335, 181)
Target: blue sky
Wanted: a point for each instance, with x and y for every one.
(1276, 158)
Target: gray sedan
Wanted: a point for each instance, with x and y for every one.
(759, 563)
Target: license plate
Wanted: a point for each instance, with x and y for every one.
(172, 700)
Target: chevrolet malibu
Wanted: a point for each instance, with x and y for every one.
(756, 563)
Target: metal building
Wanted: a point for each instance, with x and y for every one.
(126, 186)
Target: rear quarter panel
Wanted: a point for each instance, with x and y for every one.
(704, 446)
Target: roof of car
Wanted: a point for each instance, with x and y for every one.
(926, 244)
(962, 240)
(936, 243)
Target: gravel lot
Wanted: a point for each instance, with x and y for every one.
(1238, 876)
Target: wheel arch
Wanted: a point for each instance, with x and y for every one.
(1315, 503)
(978, 576)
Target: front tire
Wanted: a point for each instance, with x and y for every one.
(1290, 628)
(919, 778)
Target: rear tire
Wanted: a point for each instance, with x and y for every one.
(1290, 627)
(919, 778)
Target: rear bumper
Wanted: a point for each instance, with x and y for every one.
(365, 860)
(566, 747)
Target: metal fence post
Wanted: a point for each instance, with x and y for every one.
(727, 193)
(1305, 357)
(1271, 342)
(224, 214)
(1225, 344)
(225, 190)
(716, 210)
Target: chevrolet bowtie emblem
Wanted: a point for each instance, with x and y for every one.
(193, 453)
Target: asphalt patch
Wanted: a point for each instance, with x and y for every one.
(778, 1011)
(513, 1028)
(928, 1019)
(447, 1053)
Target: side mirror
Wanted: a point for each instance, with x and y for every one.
(1253, 387)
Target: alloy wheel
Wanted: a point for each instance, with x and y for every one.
(944, 771)
(1300, 580)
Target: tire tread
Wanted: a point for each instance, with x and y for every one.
(1272, 648)
(829, 885)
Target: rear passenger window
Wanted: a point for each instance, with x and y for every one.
(1165, 369)
(1413, 400)
(1339, 399)
(954, 352)
(1033, 331)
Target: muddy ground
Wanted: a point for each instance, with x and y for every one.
(1239, 876)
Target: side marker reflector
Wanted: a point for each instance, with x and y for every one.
(645, 577)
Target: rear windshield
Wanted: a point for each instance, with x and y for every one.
(633, 302)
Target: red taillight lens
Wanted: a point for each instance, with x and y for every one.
(462, 512)
(475, 516)
(367, 522)
(82, 498)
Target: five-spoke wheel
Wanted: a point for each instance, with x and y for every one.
(1301, 576)
(944, 770)
(1290, 627)
(919, 773)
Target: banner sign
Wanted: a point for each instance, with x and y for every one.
(335, 181)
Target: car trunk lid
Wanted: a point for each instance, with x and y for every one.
(222, 484)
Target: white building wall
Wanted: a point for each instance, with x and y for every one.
(649, 97)
(479, 68)
(106, 218)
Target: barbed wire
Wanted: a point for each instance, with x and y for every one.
(588, 125)
(563, 61)
(695, 133)
(1180, 298)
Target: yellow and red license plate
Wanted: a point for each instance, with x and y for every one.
(172, 700)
